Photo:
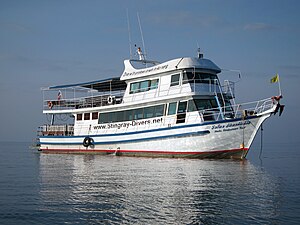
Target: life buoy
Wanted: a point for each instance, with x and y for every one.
(87, 141)
(110, 99)
(50, 105)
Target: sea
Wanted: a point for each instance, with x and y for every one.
(37, 188)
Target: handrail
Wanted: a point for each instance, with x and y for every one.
(82, 102)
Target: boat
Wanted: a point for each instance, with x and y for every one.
(177, 108)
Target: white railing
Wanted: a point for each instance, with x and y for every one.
(84, 102)
(236, 111)
(56, 130)
(228, 88)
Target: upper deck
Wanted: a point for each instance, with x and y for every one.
(152, 81)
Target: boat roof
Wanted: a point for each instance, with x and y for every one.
(130, 72)
(99, 85)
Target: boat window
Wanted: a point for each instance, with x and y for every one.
(143, 86)
(182, 107)
(128, 115)
(191, 77)
(118, 116)
(104, 118)
(202, 104)
(159, 110)
(172, 108)
(94, 115)
(175, 79)
(133, 114)
(135, 87)
(188, 77)
(79, 116)
(149, 112)
(138, 114)
(192, 106)
(86, 116)
(153, 84)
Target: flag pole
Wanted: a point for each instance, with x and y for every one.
(279, 87)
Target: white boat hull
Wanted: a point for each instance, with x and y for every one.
(218, 139)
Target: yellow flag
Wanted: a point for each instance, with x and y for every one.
(275, 79)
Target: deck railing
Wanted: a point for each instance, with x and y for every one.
(102, 99)
(56, 130)
(238, 111)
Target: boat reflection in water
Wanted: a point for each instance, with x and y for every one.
(126, 190)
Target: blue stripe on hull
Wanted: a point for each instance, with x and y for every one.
(198, 133)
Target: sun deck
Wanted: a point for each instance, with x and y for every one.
(84, 95)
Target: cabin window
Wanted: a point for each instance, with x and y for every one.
(175, 79)
(94, 116)
(172, 108)
(191, 77)
(119, 116)
(134, 87)
(182, 107)
(149, 112)
(143, 86)
(128, 115)
(138, 114)
(188, 77)
(153, 84)
(104, 118)
(202, 104)
(159, 110)
(79, 116)
(192, 106)
(86, 116)
(133, 114)
(112, 117)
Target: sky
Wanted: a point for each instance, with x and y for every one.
(53, 42)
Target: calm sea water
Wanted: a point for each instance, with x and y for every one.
(89, 189)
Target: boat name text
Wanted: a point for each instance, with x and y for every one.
(127, 124)
(230, 126)
(153, 69)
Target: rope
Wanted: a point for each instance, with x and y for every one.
(261, 140)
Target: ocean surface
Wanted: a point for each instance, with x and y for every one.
(40, 188)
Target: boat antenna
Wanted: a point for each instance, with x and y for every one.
(138, 17)
(129, 34)
(199, 54)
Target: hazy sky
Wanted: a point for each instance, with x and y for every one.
(49, 42)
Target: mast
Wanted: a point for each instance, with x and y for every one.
(142, 36)
(129, 34)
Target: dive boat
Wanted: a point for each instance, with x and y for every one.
(173, 109)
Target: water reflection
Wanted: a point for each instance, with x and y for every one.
(108, 189)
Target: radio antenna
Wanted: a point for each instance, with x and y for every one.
(129, 34)
(144, 48)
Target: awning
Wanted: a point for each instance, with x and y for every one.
(111, 84)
